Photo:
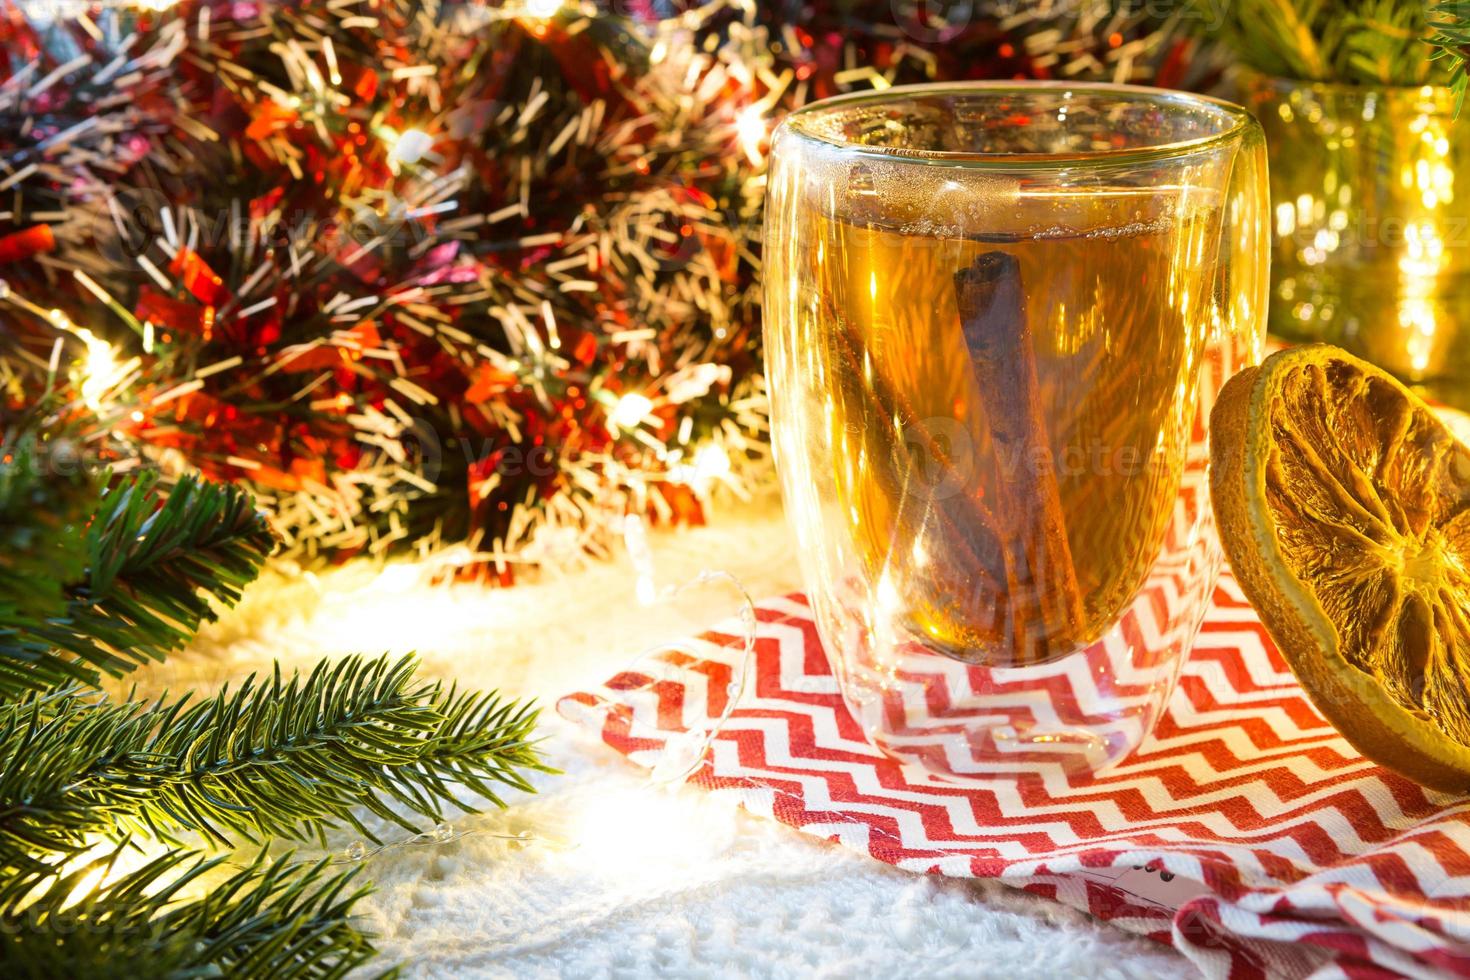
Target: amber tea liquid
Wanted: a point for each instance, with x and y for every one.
(1010, 416)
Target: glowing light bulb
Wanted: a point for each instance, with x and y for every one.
(101, 371)
(544, 9)
(102, 863)
(750, 129)
(652, 834)
(630, 410)
(888, 599)
(411, 145)
(640, 555)
(711, 462)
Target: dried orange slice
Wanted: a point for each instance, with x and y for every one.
(1344, 506)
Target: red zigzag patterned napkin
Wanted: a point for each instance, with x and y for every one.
(1244, 831)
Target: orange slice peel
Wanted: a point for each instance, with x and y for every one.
(1343, 503)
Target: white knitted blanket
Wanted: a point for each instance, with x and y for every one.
(621, 878)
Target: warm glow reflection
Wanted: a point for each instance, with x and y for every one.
(1423, 249)
(1285, 219)
(1416, 318)
(128, 859)
(631, 409)
(101, 371)
(1457, 422)
(750, 129)
(1430, 173)
(643, 832)
(410, 146)
(711, 462)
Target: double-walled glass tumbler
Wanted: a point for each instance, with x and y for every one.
(997, 315)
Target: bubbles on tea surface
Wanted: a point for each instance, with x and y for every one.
(897, 196)
(929, 227)
(1134, 229)
(949, 203)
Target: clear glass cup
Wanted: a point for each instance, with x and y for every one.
(997, 316)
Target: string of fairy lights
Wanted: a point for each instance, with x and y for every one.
(684, 753)
(355, 253)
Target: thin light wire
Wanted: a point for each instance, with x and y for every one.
(442, 833)
(684, 753)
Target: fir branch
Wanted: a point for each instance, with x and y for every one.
(153, 570)
(153, 565)
(52, 747)
(1451, 39)
(1358, 42)
(282, 758)
(171, 919)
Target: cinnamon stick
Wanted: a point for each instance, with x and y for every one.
(1045, 603)
(893, 404)
(972, 569)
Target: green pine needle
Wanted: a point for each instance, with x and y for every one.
(119, 576)
(1357, 42)
(96, 579)
(279, 758)
(1451, 39)
(152, 570)
(171, 918)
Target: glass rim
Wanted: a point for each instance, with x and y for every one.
(1238, 117)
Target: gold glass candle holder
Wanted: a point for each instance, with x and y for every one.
(1370, 188)
(996, 316)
